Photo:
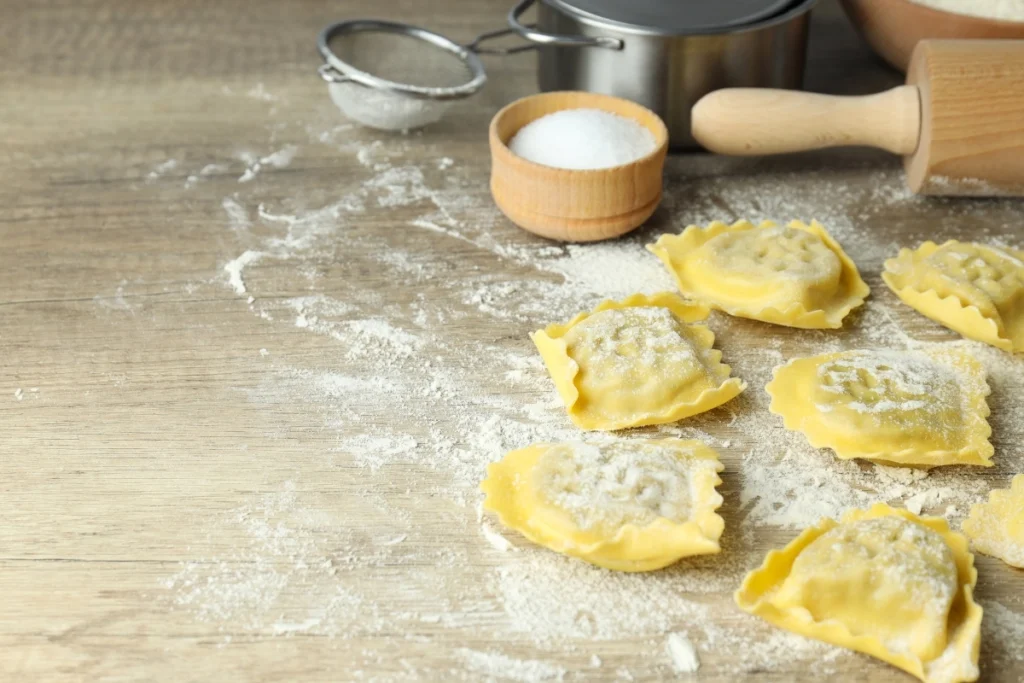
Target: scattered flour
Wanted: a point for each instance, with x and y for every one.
(193, 179)
(235, 266)
(238, 218)
(275, 557)
(494, 537)
(682, 653)
(115, 301)
(610, 271)
(212, 169)
(282, 158)
(253, 165)
(1003, 629)
(259, 92)
(385, 355)
(919, 501)
(495, 665)
(161, 169)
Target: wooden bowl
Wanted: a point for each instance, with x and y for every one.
(894, 27)
(569, 204)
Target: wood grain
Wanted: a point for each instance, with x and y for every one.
(152, 439)
(972, 122)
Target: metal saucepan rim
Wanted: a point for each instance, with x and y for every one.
(799, 7)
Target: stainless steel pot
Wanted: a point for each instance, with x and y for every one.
(665, 69)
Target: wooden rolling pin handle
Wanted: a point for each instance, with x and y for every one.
(754, 121)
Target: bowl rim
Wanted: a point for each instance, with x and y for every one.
(660, 135)
(938, 12)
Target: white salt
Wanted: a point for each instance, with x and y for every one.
(582, 139)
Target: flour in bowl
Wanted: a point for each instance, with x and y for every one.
(1007, 10)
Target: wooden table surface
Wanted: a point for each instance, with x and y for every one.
(272, 476)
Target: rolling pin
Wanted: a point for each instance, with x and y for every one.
(959, 120)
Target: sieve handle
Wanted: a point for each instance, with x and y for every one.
(331, 75)
(475, 46)
(541, 38)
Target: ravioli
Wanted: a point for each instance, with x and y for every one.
(996, 527)
(884, 582)
(974, 289)
(795, 275)
(627, 505)
(919, 408)
(636, 362)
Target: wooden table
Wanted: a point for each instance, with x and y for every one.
(273, 477)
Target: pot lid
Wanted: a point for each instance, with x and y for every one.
(676, 16)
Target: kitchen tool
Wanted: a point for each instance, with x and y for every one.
(663, 55)
(569, 204)
(893, 27)
(959, 121)
(394, 76)
(666, 63)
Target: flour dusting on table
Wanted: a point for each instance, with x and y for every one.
(682, 652)
(394, 353)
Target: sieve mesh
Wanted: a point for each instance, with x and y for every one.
(400, 58)
(394, 76)
(385, 110)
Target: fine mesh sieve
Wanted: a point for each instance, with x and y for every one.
(394, 76)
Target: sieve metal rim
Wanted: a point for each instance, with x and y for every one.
(347, 72)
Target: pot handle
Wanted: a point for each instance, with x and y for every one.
(541, 38)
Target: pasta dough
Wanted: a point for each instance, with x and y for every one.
(627, 505)
(922, 408)
(974, 289)
(795, 275)
(881, 581)
(996, 528)
(636, 362)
